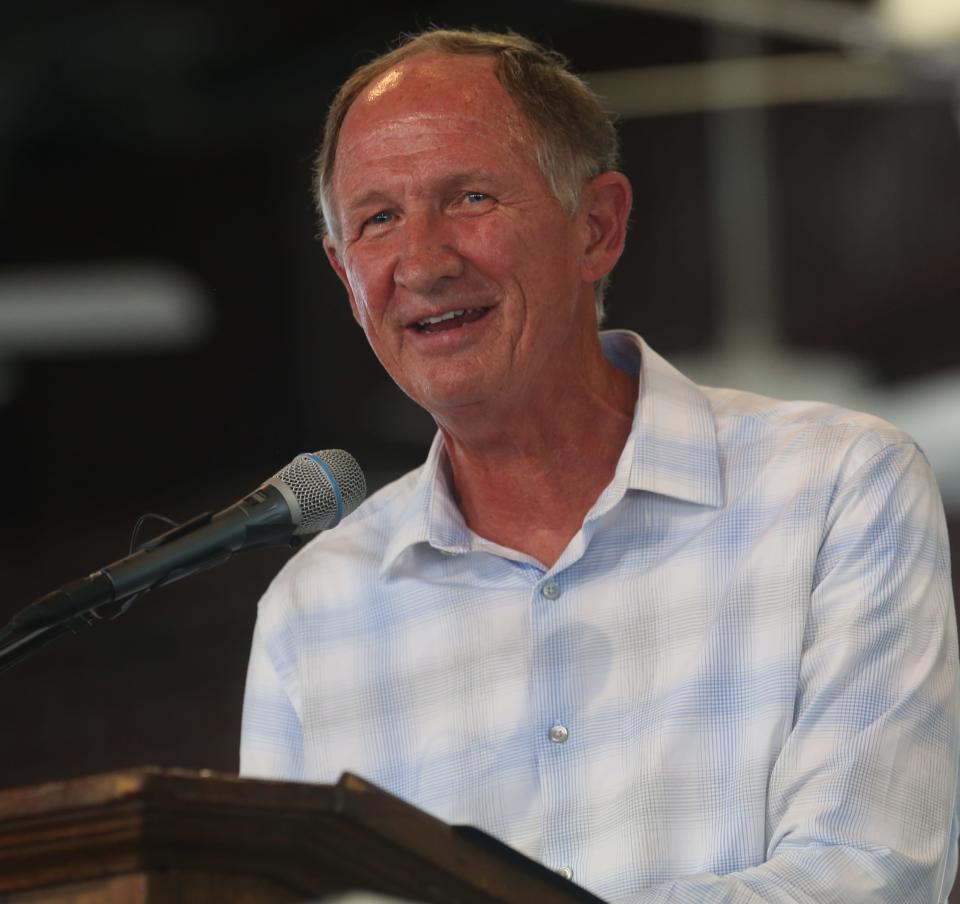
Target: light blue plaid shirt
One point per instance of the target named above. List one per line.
(739, 682)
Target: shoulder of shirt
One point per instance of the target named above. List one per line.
(744, 421)
(740, 415)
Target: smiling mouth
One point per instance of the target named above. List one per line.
(451, 320)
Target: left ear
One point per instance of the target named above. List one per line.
(606, 204)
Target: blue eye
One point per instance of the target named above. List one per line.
(380, 218)
(475, 197)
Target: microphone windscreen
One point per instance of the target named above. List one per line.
(327, 485)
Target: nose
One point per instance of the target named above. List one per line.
(428, 254)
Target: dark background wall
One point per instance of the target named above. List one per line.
(181, 134)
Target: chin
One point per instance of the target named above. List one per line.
(446, 398)
(449, 387)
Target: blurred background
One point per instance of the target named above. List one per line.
(170, 334)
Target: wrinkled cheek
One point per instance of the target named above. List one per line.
(360, 301)
(369, 308)
(364, 288)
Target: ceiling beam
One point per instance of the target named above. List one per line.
(748, 82)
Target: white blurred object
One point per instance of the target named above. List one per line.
(921, 24)
(928, 408)
(116, 307)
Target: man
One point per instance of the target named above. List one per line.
(681, 644)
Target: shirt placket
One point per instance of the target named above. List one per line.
(555, 727)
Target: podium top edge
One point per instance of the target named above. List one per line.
(145, 781)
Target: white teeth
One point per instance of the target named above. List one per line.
(440, 318)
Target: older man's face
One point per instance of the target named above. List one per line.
(460, 264)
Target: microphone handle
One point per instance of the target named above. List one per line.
(262, 518)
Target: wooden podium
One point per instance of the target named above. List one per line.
(164, 836)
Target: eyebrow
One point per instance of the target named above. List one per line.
(375, 196)
(474, 175)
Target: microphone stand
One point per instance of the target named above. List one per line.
(15, 646)
(97, 597)
(18, 643)
(196, 545)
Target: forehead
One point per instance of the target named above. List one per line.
(431, 102)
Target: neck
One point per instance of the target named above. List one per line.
(525, 477)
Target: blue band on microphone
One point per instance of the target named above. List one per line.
(333, 484)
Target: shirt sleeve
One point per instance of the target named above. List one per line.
(862, 801)
(271, 736)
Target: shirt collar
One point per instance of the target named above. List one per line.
(430, 513)
(671, 450)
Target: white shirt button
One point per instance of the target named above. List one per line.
(566, 872)
(550, 590)
(558, 734)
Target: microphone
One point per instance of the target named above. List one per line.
(309, 495)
